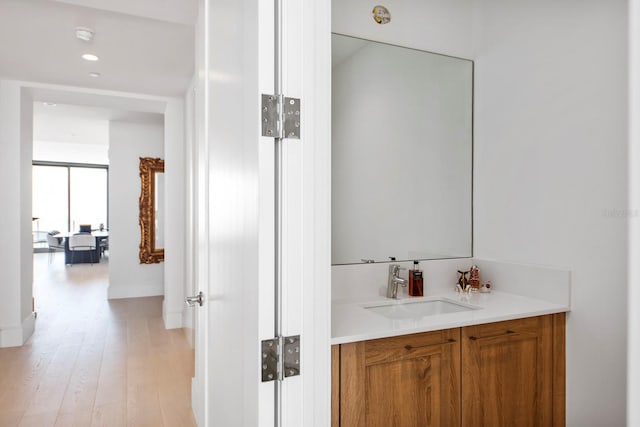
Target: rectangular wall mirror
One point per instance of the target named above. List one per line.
(151, 217)
(402, 153)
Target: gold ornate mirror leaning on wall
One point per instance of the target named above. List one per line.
(150, 170)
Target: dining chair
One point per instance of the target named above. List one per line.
(55, 244)
(104, 245)
(82, 242)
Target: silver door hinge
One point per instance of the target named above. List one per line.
(276, 125)
(280, 358)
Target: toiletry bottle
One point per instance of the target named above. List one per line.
(462, 279)
(474, 278)
(416, 281)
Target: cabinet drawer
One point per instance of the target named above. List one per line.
(510, 329)
(408, 346)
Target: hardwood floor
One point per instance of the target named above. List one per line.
(94, 362)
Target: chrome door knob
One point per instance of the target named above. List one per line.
(197, 299)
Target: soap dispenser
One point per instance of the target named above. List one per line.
(416, 288)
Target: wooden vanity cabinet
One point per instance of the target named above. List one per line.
(511, 371)
(409, 380)
(498, 374)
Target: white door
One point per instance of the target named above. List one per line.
(235, 213)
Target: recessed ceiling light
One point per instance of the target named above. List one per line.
(49, 104)
(94, 74)
(90, 57)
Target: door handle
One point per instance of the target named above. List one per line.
(196, 299)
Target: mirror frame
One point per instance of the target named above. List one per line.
(149, 167)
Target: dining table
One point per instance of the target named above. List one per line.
(83, 257)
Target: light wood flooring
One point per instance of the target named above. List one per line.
(94, 362)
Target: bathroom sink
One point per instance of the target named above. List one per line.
(416, 309)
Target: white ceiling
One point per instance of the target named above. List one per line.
(83, 118)
(176, 11)
(62, 124)
(145, 46)
(74, 124)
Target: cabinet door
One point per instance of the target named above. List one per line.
(405, 381)
(507, 373)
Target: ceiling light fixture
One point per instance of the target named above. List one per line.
(94, 74)
(85, 34)
(49, 104)
(90, 57)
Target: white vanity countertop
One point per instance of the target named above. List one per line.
(352, 322)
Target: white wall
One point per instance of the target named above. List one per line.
(550, 163)
(54, 151)
(434, 25)
(10, 273)
(26, 227)
(127, 143)
(16, 276)
(174, 203)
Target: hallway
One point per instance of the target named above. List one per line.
(94, 362)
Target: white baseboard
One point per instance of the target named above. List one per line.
(15, 336)
(28, 327)
(11, 336)
(172, 319)
(134, 290)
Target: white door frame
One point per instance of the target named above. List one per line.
(234, 223)
(307, 245)
(199, 178)
(633, 333)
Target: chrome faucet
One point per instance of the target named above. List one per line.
(394, 281)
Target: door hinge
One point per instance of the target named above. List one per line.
(277, 125)
(280, 358)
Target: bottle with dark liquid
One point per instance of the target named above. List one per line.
(416, 284)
